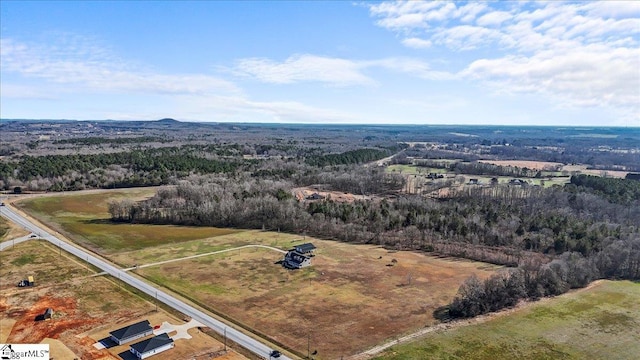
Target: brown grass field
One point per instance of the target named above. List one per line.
(84, 306)
(582, 169)
(9, 230)
(348, 301)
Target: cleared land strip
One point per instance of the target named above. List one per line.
(206, 254)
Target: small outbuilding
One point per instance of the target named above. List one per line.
(153, 346)
(131, 332)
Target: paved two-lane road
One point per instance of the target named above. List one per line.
(240, 338)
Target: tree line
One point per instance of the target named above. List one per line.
(501, 227)
(622, 191)
(618, 259)
(358, 156)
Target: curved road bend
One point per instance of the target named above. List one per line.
(233, 334)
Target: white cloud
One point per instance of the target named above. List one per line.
(493, 18)
(242, 109)
(583, 54)
(466, 37)
(334, 71)
(413, 67)
(95, 70)
(416, 43)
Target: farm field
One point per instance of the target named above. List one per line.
(85, 307)
(352, 297)
(84, 218)
(600, 322)
(582, 169)
(417, 177)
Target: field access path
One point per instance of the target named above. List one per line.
(205, 254)
(244, 340)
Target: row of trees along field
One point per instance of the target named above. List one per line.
(502, 227)
(478, 168)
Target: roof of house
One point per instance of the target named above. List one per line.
(131, 330)
(305, 248)
(151, 344)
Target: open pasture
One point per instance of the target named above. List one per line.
(601, 322)
(583, 169)
(84, 218)
(351, 298)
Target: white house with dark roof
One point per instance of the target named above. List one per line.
(131, 332)
(153, 346)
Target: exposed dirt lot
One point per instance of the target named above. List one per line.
(302, 194)
(350, 299)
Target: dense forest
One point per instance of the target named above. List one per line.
(553, 238)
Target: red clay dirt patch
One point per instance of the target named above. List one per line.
(64, 324)
(65, 317)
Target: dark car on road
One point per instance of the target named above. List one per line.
(275, 354)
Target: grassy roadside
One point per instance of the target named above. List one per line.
(602, 322)
(85, 219)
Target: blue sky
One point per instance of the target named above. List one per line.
(501, 63)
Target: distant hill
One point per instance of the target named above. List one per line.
(167, 121)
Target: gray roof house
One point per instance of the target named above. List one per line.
(131, 332)
(153, 346)
(305, 248)
(299, 257)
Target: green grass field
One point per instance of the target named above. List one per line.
(85, 219)
(602, 322)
